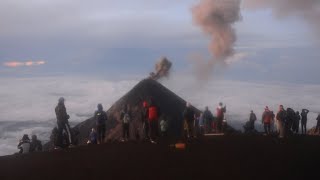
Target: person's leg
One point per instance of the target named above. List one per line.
(281, 129)
(269, 128)
(304, 128)
(103, 133)
(68, 131)
(60, 135)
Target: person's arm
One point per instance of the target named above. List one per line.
(64, 112)
(19, 145)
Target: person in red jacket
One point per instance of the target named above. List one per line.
(266, 120)
(153, 115)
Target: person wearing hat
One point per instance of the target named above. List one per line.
(62, 122)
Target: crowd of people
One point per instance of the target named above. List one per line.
(26, 145)
(284, 123)
(155, 124)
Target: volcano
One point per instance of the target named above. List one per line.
(170, 105)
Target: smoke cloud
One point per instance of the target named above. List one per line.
(216, 17)
(307, 10)
(162, 69)
(13, 64)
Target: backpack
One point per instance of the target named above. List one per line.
(153, 113)
(126, 118)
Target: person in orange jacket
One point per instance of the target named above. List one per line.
(266, 120)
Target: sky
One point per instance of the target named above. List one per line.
(95, 51)
(105, 38)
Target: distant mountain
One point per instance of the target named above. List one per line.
(170, 105)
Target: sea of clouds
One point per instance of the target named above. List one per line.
(27, 104)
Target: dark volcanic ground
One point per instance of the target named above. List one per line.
(224, 157)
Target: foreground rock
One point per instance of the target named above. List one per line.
(221, 157)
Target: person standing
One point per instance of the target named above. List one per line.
(220, 116)
(281, 118)
(297, 122)
(153, 115)
(100, 117)
(164, 126)
(145, 121)
(188, 116)
(304, 119)
(318, 124)
(208, 120)
(201, 124)
(63, 122)
(126, 118)
(266, 120)
(35, 145)
(252, 120)
(273, 122)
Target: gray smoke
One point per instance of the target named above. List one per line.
(216, 17)
(306, 10)
(162, 69)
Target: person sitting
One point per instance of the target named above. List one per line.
(36, 145)
(164, 127)
(93, 137)
(24, 145)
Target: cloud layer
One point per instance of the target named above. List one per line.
(13, 64)
(27, 104)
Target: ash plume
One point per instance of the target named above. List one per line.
(216, 17)
(307, 10)
(162, 69)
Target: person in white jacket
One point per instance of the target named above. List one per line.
(24, 145)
